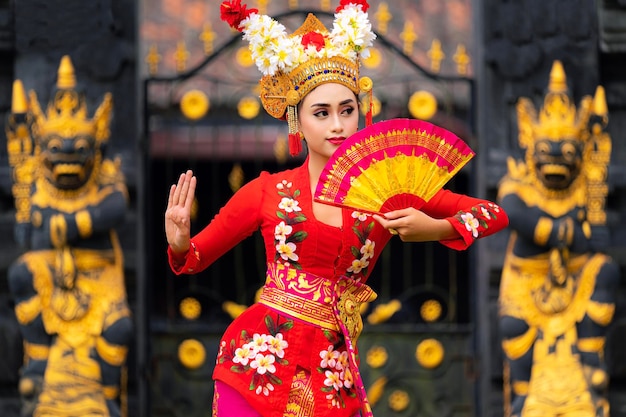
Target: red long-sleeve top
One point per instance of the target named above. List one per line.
(263, 353)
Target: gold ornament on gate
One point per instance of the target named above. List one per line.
(194, 104)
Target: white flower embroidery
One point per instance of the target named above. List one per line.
(362, 230)
(287, 251)
(221, 351)
(289, 205)
(244, 354)
(283, 184)
(329, 357)
(335, 367)
(263, 363)
(264, 389)
(259, 354)
(277, 345)
(281, 232)
(358, 265)
(342, 361)
(471, 223)
(259, 342)
(333, 379)
(290, 214)
(348, 381)
(367, 250)
(359, 215)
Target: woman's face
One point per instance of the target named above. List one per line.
(327, 116)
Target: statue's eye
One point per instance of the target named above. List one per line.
(569, 151)
(81, 145)
(54, 145)
(542, 148)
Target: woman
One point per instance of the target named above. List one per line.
(293, 353)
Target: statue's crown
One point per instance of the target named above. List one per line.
(558, 118)
(66, 114)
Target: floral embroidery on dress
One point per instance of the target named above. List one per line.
(475, 220)
(363, 254)
(259, 354)
(290, 214)
(337, 376)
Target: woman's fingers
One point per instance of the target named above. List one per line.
(380, 219)
(170, 196)
(396, 214)
(176, 189)
(183, 184)
(182, 193)
(397, 221)
(191, 191)
(387, 224)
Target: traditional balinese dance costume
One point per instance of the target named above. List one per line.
(293, 352)
(287, 354)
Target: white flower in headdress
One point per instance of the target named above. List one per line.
(352, 31)
(273, 50)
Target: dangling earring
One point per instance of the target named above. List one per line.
(365, 85)
(295, 136)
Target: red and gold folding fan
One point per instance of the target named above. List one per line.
(391, 165)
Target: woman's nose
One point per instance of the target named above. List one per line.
(337, 125)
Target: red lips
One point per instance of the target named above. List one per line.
(336, 141)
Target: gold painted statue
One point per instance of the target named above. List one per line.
(557, 292)
(68, 285)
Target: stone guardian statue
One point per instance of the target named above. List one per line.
(558, 287)
(68, 285)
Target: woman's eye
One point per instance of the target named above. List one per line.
(349, 110)
(321, 113)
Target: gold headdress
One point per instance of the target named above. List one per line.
(293, 65)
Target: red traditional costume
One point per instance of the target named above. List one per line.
(293, 353)
(287, 354)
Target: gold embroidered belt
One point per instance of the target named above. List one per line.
(326, 303)
(314, 299)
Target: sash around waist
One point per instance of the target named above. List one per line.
(314, 299)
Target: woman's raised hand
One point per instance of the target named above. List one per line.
(178, 213)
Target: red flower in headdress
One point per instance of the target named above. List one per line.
(315, 39)
(233, 12)
(344, 3)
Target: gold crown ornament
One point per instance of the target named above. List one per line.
(66, 114)
(558, 118)
(293, 65)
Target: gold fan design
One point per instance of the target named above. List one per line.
(391, 165)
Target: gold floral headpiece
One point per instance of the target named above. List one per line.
(293, 65)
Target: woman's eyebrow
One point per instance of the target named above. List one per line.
(347, 101)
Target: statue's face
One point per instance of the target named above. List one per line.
(68, 161)
(558, 163)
